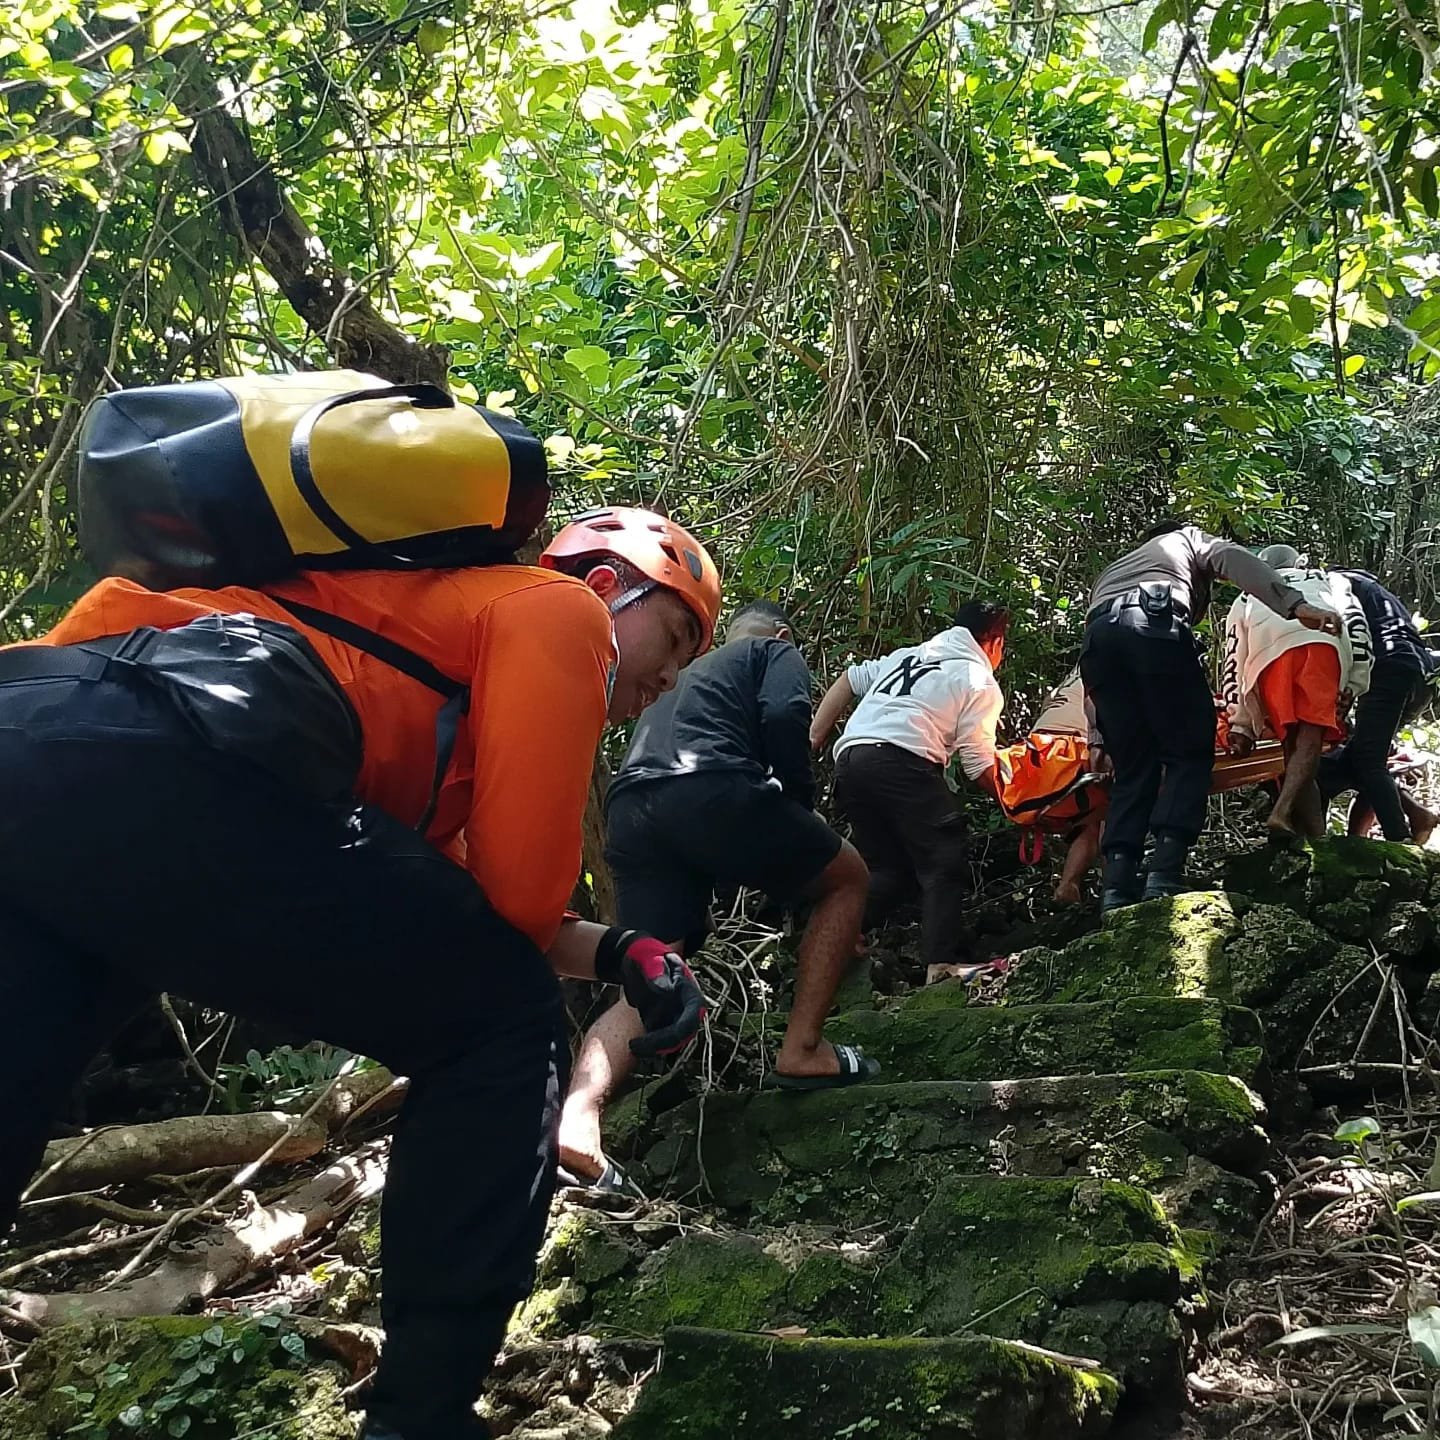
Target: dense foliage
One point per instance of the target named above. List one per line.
(892, 301)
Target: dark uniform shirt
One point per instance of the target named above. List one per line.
(1392, 627)
(1188, 560)
(744, 707)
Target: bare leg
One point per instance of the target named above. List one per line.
(1081, 855)
(605, 1062)
(1361, 817)
(826, 949)
(1298, 811)
(1423, 822)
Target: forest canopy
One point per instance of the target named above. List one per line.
(891, 301)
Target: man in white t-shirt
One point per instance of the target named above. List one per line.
(919, 707)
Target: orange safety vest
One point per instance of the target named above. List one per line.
(536, 650)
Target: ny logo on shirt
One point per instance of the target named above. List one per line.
(906, 675)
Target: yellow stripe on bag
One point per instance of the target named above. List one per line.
(391, 470)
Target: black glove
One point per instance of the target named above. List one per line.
(658, 983)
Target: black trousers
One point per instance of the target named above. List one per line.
(908, 826)
(133, 859)
(666, 866)
(1157, 717)
(1396, 692)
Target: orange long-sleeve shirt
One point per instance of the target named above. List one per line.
(536, 649)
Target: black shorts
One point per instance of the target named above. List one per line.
(670, 843)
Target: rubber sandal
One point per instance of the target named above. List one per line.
(612, 1180)
(856, 1067)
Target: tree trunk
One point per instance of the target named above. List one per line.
(254, 207)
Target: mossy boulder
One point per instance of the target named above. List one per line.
(1232, 949)
(1165, 947)
(874, 1153)
(1145, 1032)
(1010, 1255)
(716, 1386)
(1351, 887)
(198, 1376)
(1089, 1267)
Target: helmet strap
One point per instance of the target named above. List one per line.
(630, 596)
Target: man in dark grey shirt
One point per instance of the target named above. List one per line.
(1152, 701)
(716, 788)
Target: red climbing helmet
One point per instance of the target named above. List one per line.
(661, 550)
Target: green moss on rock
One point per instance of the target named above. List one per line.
(1147, 1032)
(1262, 957)
(1014, 1257)
(1008, 1255)
(1350, 887)
(239, 1379)
(875, 1152)
(550, 1311)
(1165, 948)
(727, 1283)
(715, 1386)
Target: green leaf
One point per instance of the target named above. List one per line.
(541, 264)
(432, 36)
(1423, 1197)
(1354, 364)
(1232, 327)
(1183, 280)
(178, 25)
(1302, 313)
(591, 361)
(1425, 316)
(132, 1417)
(1424, 1330)
(1354, 1132)
(1429, 192)
(215, 1335)
(1237, 417)
(179, 1425)
(293, 1344)
(1160, 17)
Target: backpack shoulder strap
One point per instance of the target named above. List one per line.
(456, 694)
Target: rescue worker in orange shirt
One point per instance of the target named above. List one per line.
(136, 857)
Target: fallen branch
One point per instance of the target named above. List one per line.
(174, 1147)
(365, 1092)
(193, 1275)
(76, 1252)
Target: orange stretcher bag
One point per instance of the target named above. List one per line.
(1046, 779)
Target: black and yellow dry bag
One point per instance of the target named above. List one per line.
(241, 481)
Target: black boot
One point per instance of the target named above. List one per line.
(1167, 866)
(1121, 884)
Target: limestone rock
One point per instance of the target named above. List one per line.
(717, 1386)
(1139, 1032)
(874, 1153)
